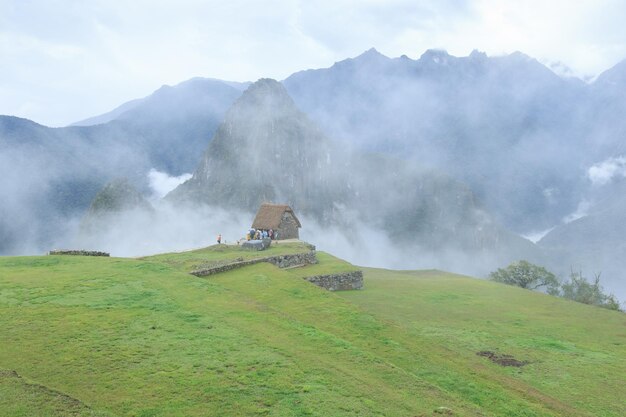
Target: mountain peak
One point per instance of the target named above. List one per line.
(265, 150)
(371, 52)
(438, 56)
(478, 55)
(267, 94)
(266, 85)
(518, 56)
(371, 56)
(614, 76)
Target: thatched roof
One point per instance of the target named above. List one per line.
(270, 215)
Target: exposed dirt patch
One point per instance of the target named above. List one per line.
(502, 359)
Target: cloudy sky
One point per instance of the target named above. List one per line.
(65, 60)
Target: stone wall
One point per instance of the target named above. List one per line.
(281, 261)
(289, 261)
(338, 282)
(78, 252)
(256, 244)
(352, 280)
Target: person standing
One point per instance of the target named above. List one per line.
(219, 238)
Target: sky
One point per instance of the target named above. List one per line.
(62, 61)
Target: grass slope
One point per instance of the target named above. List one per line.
(222, 254)
(142, 337)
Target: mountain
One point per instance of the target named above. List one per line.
(605, 111)
(198, 92)
(594, 243)
(613, 78)
(111, 115)
(118, 195)
(267, 150)
(48, 177)
(177, 121)
(507, 126)
(441, 149)
(118, 198)
(51, 175)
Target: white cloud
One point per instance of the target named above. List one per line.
(581, 211)
(166, 229)
(537, 235)
(114, 50)
(161, 183)
(604, 172)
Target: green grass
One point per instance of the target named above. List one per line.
(142, 337)
(577, 352)
(327, 264)
(220, 254)
(19, 398)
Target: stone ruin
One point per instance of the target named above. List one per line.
(256, 244)
(341, 281)
(78, 252)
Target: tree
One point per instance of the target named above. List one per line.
(583, 291)
(526, 275)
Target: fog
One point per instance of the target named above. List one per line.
(581, 211)
(540, 152)
(371, 247)
(171, 228)
(166, 229)
(604, 172)
(536, 235)
(161, 183)
(440, 162)
(503, 125)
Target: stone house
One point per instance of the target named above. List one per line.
(278, 217)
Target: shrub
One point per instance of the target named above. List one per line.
(526, 275)
(583, 291)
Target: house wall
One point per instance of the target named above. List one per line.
(288, 228)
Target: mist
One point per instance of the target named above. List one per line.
(441, 162)
(606, 171)
(162, 183)
(169, 228)
(371, 247)
(165, 229)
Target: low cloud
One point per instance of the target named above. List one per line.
(536, 235)
(165, 229)
(162, 183)
(367, 246)
(581, 211)
(606, 171)
(173, 229)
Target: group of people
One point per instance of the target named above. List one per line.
(255, 234)
(258, 234)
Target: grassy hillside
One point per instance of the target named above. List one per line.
(576, 353)
(141, 337)
(223, 254)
